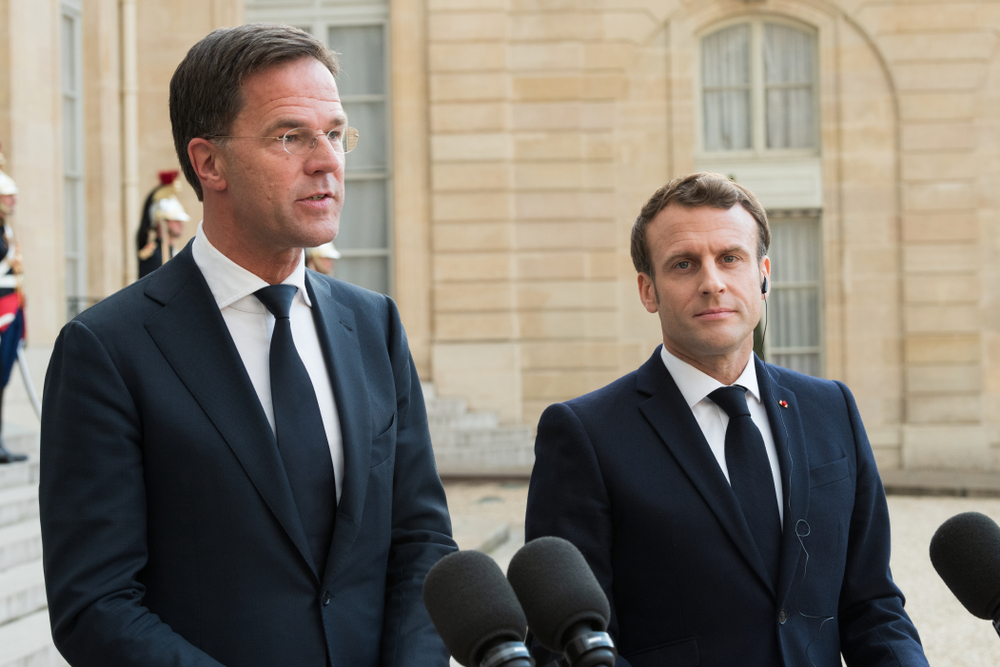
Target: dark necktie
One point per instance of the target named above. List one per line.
(298, 428)
(750, 474)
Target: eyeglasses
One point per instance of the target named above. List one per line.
(303, 140)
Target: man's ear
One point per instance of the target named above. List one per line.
(647, 293)
(209, 164)
(765, 272)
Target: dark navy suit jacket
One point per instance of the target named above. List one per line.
(169, 530)
(626, 475)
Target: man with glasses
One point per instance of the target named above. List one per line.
(236, 467)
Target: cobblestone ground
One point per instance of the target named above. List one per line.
(485, 512)
(952, 636)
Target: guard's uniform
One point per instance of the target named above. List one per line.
(11, 298)
(160, 206)
(11, 304)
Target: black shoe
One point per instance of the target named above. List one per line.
(7, 456)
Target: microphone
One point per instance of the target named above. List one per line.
(566, 608)
(965, 551)
(476, 612)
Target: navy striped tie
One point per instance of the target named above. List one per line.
(298, 428)
(750, 474)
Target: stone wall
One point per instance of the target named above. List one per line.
(551, 122)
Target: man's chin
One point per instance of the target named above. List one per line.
(318, 234)
(715, 343)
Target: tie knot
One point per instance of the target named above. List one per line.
(732, 399)
(277, 298)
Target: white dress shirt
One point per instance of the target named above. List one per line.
(250, 324)
(695, 386)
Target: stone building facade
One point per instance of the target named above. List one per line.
(511, 144)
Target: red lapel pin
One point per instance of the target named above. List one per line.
(783, 403)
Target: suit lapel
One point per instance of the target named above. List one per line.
(668, 413)
(789, 441)
(337, 331)
(193, 337)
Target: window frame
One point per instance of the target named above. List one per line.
(767, 346)
(74, 176)
(758, 110)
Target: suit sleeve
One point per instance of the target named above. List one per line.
(874, 628)
(567, 498)
(92, 501)
(421, 527)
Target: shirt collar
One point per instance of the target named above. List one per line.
(695, 385)
(230, 282)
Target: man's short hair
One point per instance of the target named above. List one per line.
(692, 191)
(206, 91)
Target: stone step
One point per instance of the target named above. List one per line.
(469, 421)
(511, 460)
(22, 591)
(27, 642)
(18, 503)
(518, 436)
(19, 474)
(19, 543)
(446, 407)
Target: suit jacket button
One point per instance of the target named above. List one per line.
(782, 617)
(327, 597)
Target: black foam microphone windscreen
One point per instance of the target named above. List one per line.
(472, 605)
(557, 590)
(965, 551)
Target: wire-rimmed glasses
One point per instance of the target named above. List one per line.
(303, 140)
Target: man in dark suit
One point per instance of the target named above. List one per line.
(731, 509)
(236, 465)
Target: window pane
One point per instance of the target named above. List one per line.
(361, 59)
(369, 119)
(789, 71)
(726, 94)
(364, 222)
(68, 52)
(788, 55)
(71, 140)
(727, 120)
(70, 214)
(803, 363)
(790, 118)
(794, 251)
(726, 58)
(794, 317)
(370, 272)
(72, 268)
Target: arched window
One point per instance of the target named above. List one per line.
(758, 88)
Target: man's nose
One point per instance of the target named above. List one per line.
(711, 279)
(325, 157)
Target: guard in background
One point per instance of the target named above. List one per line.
(322, 258)
(11, 298)
(163, 217)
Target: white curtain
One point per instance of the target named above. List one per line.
(726, 87)
(789, 72)
(794, 303)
